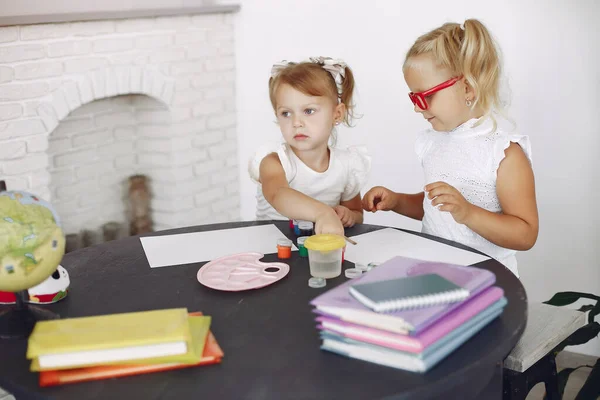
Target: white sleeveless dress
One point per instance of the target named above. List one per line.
(467, 158)
(344, 178)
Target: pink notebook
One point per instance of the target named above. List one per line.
(418, 343)
(338, 302)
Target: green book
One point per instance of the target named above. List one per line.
(408, 293)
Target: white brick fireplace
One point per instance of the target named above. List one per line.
(85, 105)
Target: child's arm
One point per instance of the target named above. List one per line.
(350, 212)
(293, 204)
(517, 227)
(380, 198)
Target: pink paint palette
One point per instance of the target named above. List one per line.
(241, 271)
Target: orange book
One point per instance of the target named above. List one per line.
(212, 354)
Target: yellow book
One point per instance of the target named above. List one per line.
(110, 339)
(199, 328)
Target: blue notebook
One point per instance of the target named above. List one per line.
(466, 328)
(409, 362)
(408, 293)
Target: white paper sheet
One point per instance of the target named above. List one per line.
(381, 245)
(186, 248)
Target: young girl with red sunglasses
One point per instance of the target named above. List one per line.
(479, 182)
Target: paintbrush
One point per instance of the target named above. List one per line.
(350, 240)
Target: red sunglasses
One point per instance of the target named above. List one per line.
(418, 99)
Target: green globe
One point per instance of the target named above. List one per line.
(32, 243)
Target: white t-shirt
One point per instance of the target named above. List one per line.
(347, 173)
(467, 158)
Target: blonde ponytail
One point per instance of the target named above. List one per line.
(481, 65)
(468, 51)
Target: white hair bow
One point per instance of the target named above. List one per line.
(278, 67)
(336, 67)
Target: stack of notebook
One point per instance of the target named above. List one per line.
(407, 313)
(109, 346)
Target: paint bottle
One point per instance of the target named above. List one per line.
(361, 267)
(352, 273)
(302, 251)
(284, 248)
(317, 282)
(296, 229)
(305, 228)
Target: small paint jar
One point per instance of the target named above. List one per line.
(284, 248)
(361, 267)
(302, 251)
(352, 273)
(296, 229)
(325, 255)
(317, 282)
(305, 228)
(291, 224)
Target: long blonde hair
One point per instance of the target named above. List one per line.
(469, 51)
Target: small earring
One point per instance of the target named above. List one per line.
(469, 103)
(337, 122)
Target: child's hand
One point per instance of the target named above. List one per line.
(328, 222)
(347, 217)
(379, 199)
(448, 198)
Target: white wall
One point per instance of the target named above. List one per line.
(551, 56)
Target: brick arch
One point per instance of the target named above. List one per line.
(189, 150)
(81, 89)
(99, 84)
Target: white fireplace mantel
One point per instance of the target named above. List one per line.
(28, 12)
(90, 97)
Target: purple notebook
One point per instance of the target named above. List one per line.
(338, 302)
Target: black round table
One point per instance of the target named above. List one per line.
(268, 335)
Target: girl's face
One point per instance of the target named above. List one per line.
(447, 107)
(306, 121)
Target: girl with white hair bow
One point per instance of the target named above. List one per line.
(307, 177)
